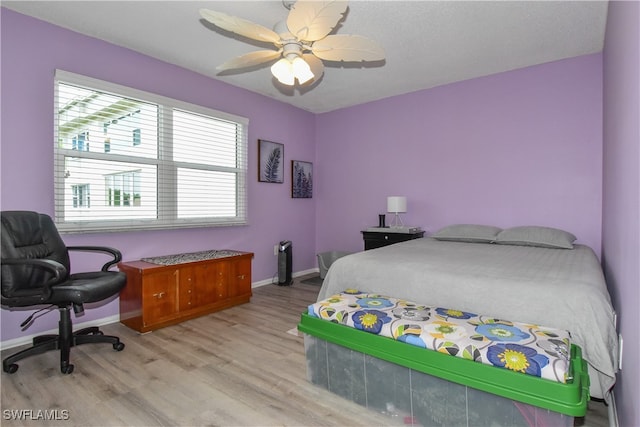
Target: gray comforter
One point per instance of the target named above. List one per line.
(559, 288)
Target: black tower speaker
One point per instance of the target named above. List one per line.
(284, 263)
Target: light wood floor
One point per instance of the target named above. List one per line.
(236, 367)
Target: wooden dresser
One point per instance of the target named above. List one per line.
(182, 287)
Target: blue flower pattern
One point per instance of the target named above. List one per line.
(519, 347)
(500, 332)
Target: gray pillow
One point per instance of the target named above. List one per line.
(544, 237)
(471, 233)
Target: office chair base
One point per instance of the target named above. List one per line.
(63, 342)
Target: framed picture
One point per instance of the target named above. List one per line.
(270, 161)
(301, 179)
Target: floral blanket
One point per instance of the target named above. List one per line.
(530, 349)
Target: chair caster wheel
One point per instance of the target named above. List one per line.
(66, 369)
(11, 369)
(118, 346)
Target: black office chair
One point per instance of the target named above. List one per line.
(35, 271)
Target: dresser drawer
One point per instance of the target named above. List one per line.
(377, 239)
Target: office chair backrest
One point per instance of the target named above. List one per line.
(29, 235)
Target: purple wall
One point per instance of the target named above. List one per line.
(518, 148)
(621, 199)
(32, 50)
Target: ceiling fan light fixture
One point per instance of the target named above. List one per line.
(287, 71)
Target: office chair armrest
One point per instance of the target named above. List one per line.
(117, 255)
(58, 270)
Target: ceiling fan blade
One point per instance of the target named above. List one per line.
(249, 59)
(313, 20)
(240, 26)
(347, 48)
(316, 65)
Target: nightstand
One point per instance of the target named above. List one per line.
(378, 239)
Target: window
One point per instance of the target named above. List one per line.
(123, 189)
(80, 142)
(80, 195)
(136, 137)
(158, 162)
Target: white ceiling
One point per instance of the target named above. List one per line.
(427, 43)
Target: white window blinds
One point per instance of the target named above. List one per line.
(126, 159)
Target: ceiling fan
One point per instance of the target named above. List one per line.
(301, 41)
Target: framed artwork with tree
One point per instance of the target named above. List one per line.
(270, 161)
(301, 179)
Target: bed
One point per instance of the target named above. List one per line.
(520, 277)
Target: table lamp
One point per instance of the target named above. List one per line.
(397, 205)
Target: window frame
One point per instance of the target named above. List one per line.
(167, 215)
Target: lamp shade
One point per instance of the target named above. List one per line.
(396, 204)
(301, 70)
(283, 71)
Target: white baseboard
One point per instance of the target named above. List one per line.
(273, 280)
(305, 272)
(28, 339)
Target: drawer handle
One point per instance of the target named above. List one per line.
(241, 277)
(159, 295)
(386, 237)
